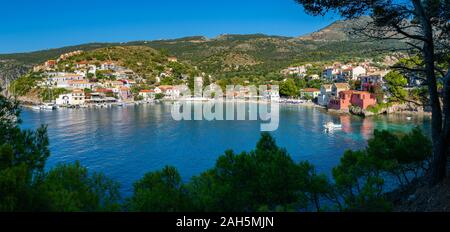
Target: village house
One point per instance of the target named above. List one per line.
(69, 54)
(99, 98)
(348, 98)
(309, 93)
(80, 84)
(92, 69)
(147, 94)
(106, 91)
(367, 82)
(125, 93)
(358, 71)
(172, 59)
(314, 77)
(77, 97)
(168, 90)
(113, 84)
(124, 74)
(50, 64)
(128, 83)
(62, 80)
(297, 70)
(81, 64)
(338, 87)
(325, 94)
(331, 73)
(157, 90)
(108, 66)
(352, 73)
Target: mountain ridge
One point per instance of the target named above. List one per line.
(236, 54)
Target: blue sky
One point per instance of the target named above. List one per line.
(29, 25)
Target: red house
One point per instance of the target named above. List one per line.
(363, 99)
(349, 98)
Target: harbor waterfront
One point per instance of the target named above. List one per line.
(127, 142)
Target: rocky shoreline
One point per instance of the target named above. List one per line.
(405, 108)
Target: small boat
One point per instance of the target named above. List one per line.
(36, 107)
(48, 106)
(332, 126)
(409, 118)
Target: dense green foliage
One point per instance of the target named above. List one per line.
(288, 88)
(71, 188)
(143, 60)
(160, 191)
(25, 186)
(48, 95)
(24, 84)
(396, 83)
(267, 179)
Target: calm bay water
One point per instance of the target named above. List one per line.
(127, 142)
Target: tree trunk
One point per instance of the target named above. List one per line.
(439, 164)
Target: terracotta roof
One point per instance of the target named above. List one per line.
(103, 90)
(108, 62)
(79, 82)
(347, 92)
(165, 87)
(342, 85)
(147, 91)
(117, 82)
(361, 92)
(310, 90)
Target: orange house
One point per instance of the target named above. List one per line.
(349, 98)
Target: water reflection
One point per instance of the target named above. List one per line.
(127, 142)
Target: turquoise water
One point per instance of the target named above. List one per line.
(127, 142)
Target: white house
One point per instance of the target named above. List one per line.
(81, 64)
(82, 84)
(309, 93)
(157, 90)
(92, 69)
(147, 94)
(297, 70)
(77, 97)
(62, 80)
(108, 66)
(169, 91)
(358, 71)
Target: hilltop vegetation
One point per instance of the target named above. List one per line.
(41, 56)
(261, 53)
(144, 61)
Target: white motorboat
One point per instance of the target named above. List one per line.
(48, 106)
(332, 126)
(36, 107)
